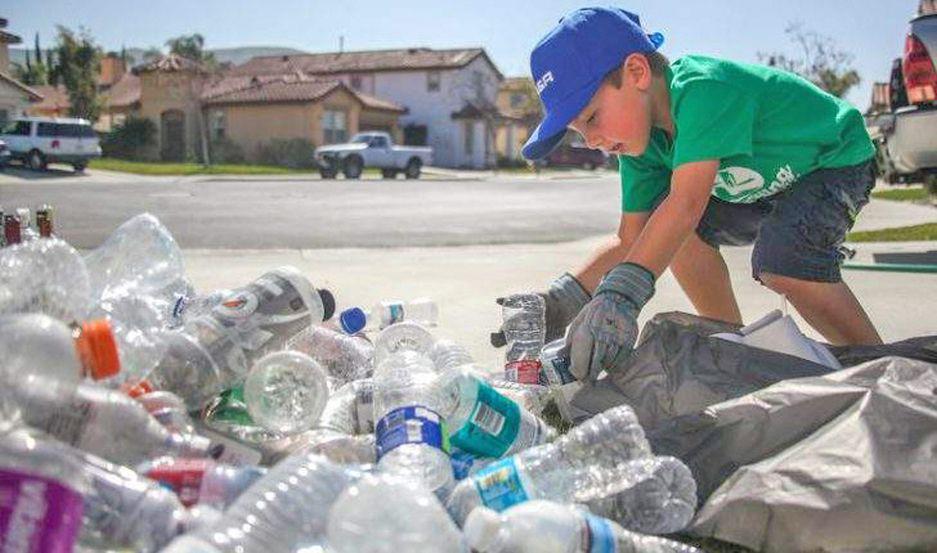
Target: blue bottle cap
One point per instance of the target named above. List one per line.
(353, 320)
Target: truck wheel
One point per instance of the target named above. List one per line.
(327, 174)
(79, 167)
(930, 184)
(588, 166)
(413, 168)
(36, 161)
(352, 167)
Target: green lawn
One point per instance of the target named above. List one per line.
(163, 168)
(909, 194)
(927, 231)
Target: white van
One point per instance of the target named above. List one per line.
(38, 141)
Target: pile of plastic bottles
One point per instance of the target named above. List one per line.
(138, 414)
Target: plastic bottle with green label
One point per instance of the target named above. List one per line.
(483, 421)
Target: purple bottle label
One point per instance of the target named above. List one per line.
(37, 515)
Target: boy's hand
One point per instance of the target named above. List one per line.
(605, 331)
(563, 301)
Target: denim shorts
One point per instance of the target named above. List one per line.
(799, 232)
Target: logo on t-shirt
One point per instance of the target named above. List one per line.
(736, 183)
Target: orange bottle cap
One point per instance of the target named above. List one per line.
(98, 349)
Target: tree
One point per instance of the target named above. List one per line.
(79, 63)
(53, 76)
(151, 53)
(192, 47)
(820, 60)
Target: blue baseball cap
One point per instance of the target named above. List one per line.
(569, 63)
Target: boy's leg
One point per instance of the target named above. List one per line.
(797, 252)
(702, 273)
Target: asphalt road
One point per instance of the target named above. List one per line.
(311, 213)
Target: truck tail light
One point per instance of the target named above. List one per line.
(55, 143)
(920, 78)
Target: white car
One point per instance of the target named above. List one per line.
(38, 141)
(372, 149)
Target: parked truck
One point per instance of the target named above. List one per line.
(372, 149)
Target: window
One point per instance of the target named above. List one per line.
(17, 128)
(469, 137)
(334, 127)
(217, 124)
(517, 100)
(432, 81)
(356, 82)
(4, 117)
(47, 129)
(378, 142)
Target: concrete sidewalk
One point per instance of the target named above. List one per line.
(466, 280)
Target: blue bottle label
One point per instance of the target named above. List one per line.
(462, 463)
(413, 424)
(601, 537)
(396, 313)
(499, 485)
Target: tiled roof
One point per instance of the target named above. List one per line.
(170, 64)
(34, 96)
(268, 89)
(475, 110)
(125, 92)
(9, 38)
(377, 103)
(369, 60)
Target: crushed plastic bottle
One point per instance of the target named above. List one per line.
(412, 440)
(524, 327)
(350, 410)
(547, 527)
(484, 422)
(169, 410)
(423, 311)
(405, 336)
(201, 481)
(26, 225)
(384, 514)
(345, 358)
(44, 276)
(286, 392)
(447, 355)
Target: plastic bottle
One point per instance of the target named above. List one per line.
(104, 422)
(412, 440)
(201, 481)
(547, 527)
(423, 311)
(555, 374)
(45, 216)
(524, 328)
(116, 507)
(384, 514)
(589, 462)
(214, 352)
(484, 422)
(26, 226)
(345, 358)
(285, 510)
(169, 410)
(286, 391)
(350, 410)
(531, 397)
(405, 336)
(341, 448)
(447, 354)
(44, 276)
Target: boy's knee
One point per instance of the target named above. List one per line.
(778, 283)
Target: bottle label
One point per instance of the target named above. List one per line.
(462, 463)
(414, 424)
(183, 476)
(555, 371)
(499, 485)
(364, 411)
(37, 515)
(524, 371)
(599, 537)
(492, 427)
(395, 310)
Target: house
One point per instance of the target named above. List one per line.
(449, 94)
(518, 99)
(15, 97)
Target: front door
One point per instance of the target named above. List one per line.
(172, 135)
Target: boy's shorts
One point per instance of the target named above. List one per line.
(799, 232)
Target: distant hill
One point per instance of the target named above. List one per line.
(234, 56)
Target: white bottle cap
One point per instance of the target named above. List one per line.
(481, 529)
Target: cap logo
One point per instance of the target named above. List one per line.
(542, 83)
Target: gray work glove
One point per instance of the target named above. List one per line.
(604, 333)
(563, 300)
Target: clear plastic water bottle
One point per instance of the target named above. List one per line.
(447, 354)
(555, 374)
(350, 410)
(345, 358)
(423, 311)
(548, 527)
(341, 448)
(384, 514)
(405, 336)
(201, 481)
(524, 327)
(202, 304)
(531, 397)
(286, 391)
(285, 510)
(484, 422)
(44, 276)
(26, 225)
(169, 410)
(412, 441)
(104, 422)
(589, 462)
(214, 352)
(114, 506)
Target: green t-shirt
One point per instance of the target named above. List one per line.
(766, 126)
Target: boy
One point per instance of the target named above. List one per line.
(712, 153)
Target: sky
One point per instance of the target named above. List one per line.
(872, 30)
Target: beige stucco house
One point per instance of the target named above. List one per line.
(518, 101)
(15, 97)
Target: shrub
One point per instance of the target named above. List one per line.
(505, 162)
(131, 139)
(224, 150)
(295, 153)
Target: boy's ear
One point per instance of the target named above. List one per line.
(637, 71)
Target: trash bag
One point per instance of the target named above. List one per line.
(846, 461)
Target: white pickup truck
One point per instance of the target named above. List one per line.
(372, 149)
